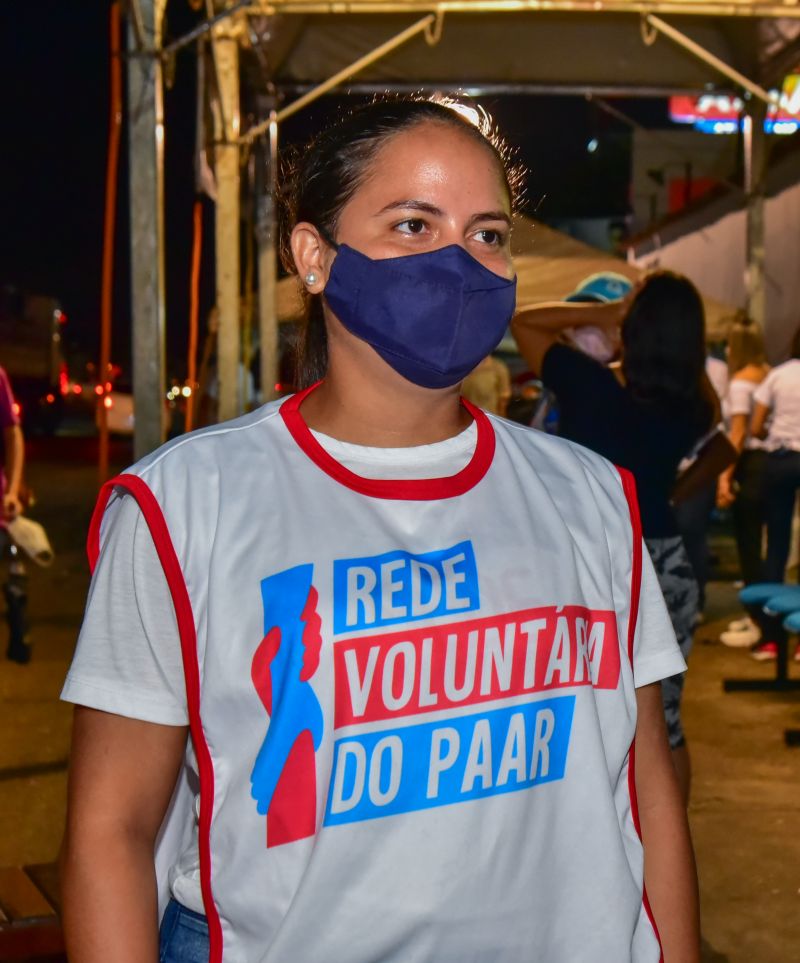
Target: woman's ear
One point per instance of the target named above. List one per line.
(312, 256)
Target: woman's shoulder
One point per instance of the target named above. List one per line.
(751, 374)
(556, 459)
(207, 448)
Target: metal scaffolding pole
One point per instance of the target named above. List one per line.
(698, 51)
(683, 8)
(430, 26)
(755, 171)
(146, 152)
(267, 237)
(226, 121)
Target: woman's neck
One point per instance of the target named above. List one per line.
(356, 408)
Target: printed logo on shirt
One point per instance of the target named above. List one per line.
(369, 593)
(388, 758)
(284, 777)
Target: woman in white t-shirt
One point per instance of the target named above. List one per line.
(741, 487)
(776, 419)
(413, 643)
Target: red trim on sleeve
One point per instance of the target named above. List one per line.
(629, 487)
(419, 489)
(156, 522)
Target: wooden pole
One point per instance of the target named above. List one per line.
(755, 168)
(226, 117)
(109, 224)
(267, 236)
(146, 151)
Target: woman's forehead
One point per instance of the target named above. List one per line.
(435, 161)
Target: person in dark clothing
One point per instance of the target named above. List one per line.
(646, 417)
(12, 456)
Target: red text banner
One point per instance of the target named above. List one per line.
(478, 660)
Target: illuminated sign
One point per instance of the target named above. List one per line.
(722, 114)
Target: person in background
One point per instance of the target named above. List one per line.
(646, 418)
(693, 514)
(719, 373)
(15, 589)
(604, 287)
(776, 418)
(489, 386)
(337, 804)
(741, 486)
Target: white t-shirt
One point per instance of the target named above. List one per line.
(128, 662)
(740, 402)
(128, 658)
(717, 372)
(780, 391)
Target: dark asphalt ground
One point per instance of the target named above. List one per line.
(745, 808)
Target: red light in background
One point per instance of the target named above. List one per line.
(60, 317)
(109, 386)
(16, 408)
(98, 389)
(63, 378)
(278, 386)
(50, 398)
(77, 389)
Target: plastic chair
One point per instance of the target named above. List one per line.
(774, 600)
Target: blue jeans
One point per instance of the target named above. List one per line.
(184, 936)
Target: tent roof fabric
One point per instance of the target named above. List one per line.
(502, 42)
(550, 265)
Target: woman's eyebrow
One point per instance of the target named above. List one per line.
(413, 206)
(490, 216)
(425, 207)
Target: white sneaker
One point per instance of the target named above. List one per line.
(742, 639)
(738, 625)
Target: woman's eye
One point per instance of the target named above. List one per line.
(493, 238)
(414, 225)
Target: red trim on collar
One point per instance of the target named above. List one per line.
(418, 489)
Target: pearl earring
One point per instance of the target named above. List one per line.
(311, 278)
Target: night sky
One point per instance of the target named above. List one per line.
(54, 72)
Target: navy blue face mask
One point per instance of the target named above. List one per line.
(433, 317)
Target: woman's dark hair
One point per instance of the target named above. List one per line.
(322, 178)
(794, 349)
(663, 339)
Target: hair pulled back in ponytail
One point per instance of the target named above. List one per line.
(320, 179)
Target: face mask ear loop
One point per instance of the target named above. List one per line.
(327, 238)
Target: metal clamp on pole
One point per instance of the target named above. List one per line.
(694, 48)
(431, 26)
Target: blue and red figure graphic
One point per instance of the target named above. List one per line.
(284, 781)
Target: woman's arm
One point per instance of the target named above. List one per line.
(14, 442)
(736, 436)
(670, 875)
(537, 327)
(758, 426)
(122, 774)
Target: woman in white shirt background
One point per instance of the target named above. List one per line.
(777, 398)
(741, 486)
